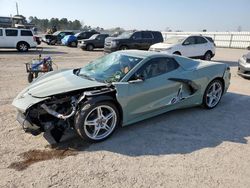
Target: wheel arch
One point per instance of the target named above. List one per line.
(222, 81)
(22, 42)
(177, 52)
(121, 45)
(92, 44)
(101, 98)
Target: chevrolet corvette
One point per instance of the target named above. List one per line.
(118, 89)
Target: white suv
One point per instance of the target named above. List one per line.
(21, 39)
(192, 46)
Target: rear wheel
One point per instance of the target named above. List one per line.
(30, 77)
(22, 47)
(97, 122)
(213, 94)
(73, 44)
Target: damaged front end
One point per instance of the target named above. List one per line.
(55, 114)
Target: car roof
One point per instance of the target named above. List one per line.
(16, 28)
(142, 54)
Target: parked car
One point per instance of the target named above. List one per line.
(69, 40)
(21, 39)
(95, 41)
(192, 46)
(85, 34)
(56, 37)
(244, 66)
(72, 40)
(120, 88)
(140, 40)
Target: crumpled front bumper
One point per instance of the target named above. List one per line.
(27, 125)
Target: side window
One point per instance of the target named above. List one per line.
(101, 37)
(26, 33)
(137, 35)
(157, 66)
(200, 40)
(189, 41)
(1, 32)
(11, 32)
(147, 35)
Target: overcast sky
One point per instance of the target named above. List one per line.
(187, 15)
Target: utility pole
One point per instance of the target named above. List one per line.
(17, 9)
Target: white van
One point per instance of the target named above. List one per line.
(21, 39)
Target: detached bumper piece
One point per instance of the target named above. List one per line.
(27, 125)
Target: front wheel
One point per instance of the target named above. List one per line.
(73, 44)
(90, 47)
(213, 94)
(97, 122)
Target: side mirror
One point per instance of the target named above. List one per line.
(248, 47)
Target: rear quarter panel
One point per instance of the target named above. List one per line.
(208, 73)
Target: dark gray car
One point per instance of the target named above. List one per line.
(95, 41)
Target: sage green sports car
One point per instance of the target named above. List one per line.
(121, 88)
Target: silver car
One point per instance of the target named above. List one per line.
(244, 66)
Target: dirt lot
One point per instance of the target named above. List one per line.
(185, 148)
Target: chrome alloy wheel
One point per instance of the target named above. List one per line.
(23, 47)
(100, 122)
(214, 94)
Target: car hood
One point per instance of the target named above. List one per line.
(162, 45)
(59, 82)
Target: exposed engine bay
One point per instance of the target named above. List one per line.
(57, 113)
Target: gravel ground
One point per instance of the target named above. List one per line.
(184, 148)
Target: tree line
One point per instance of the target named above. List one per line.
(44, 25)
(61, 24)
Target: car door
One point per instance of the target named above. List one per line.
(147, 40)
(100, 41)
(155, 92)
(136, 41)
(11, 36)
(188, 47)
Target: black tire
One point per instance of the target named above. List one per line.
(90, 47)
(123, 47)
(205, 102)
(22, 46)
(73, 44)
(53, 42)
(87, 110)
(177, 53)
(207, 56)
(30, 77)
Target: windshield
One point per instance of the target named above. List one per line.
(125, 35)
(174, 40)
(109, 68)
(93, 36)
